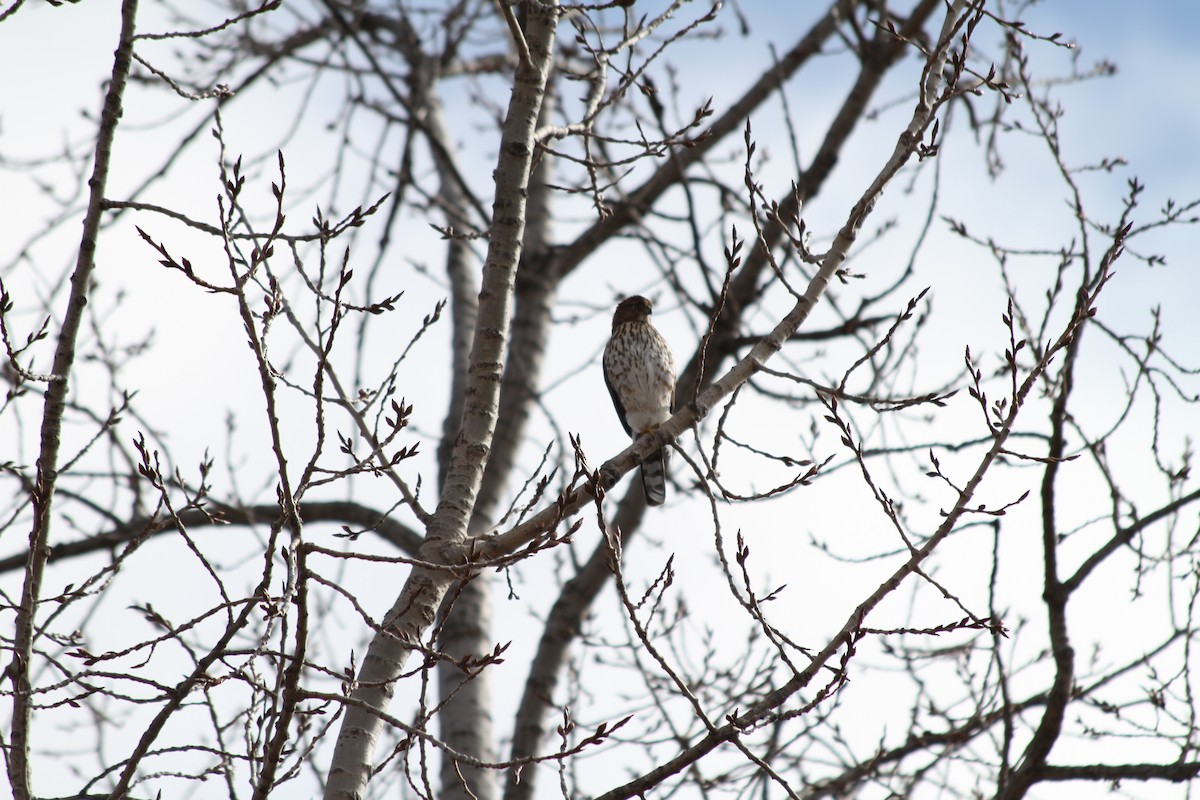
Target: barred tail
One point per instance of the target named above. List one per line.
(654, 478)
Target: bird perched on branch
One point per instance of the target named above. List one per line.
(639, 370)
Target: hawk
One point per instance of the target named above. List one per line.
(639, 370)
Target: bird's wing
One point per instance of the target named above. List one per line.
(616, 400)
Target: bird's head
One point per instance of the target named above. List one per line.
(632, 309)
